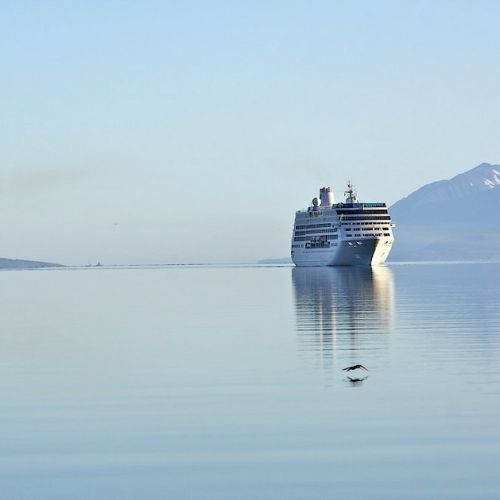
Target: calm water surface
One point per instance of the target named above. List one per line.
(227, 383)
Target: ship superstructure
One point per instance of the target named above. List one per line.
(341, 234)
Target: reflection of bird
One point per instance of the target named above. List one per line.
(354, 367)
(357, 380)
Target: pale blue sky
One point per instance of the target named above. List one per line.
(149, 132)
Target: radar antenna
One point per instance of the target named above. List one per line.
(350, 194)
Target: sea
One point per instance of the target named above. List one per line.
(227, 382)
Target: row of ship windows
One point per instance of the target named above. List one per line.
(304, 238)
(334, 237)
(368, 228)
(303, 235)
(356, 235)
(314, 231)
(360, 205)
(312, 226)
(361, 212)
(369, 217)
(370, 220)
(363, 223)
(325, 244)
(318, 245)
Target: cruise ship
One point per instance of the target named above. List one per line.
(342, 234)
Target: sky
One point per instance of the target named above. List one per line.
(156, 132)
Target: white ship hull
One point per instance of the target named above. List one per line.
(362, 252)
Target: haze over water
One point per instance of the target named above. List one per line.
(207, 382)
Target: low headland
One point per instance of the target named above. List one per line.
(25, 264)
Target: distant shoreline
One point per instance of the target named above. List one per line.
(26, 264)
(261, 264)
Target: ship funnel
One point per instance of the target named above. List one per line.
(326, 197)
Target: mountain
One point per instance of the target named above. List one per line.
(25, 264)
(455, 219)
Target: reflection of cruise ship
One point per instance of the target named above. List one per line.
(341, 234)
(332, 302)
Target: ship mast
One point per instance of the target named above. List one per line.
(350, 194)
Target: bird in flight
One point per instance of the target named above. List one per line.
(354, 367)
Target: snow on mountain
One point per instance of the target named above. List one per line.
(455, 219)
(496, 179)
(476, 180)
